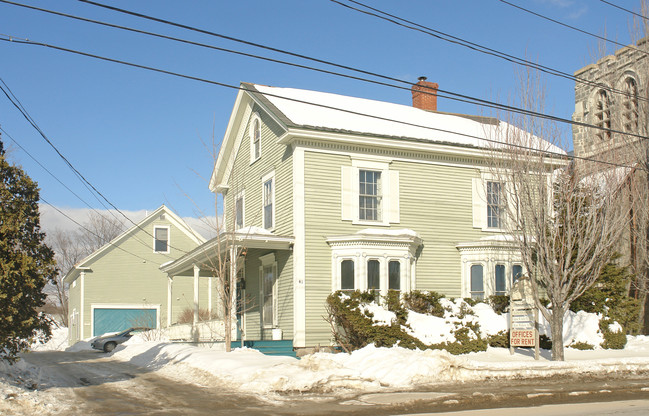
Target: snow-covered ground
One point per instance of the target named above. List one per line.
(366, 370)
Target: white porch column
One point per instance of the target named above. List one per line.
(170, 281)
(197, 271)
(209, 296)
(233, 286)
(82, 305)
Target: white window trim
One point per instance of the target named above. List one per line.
(251, 136)
(168, 238)
(479, 203)
(336, 283)
(488, 256)
(241, 195)
(389, 192)
(268, 177)
(362, 250)
(269, 260)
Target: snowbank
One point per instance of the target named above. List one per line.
(372, 368)
(58, 342)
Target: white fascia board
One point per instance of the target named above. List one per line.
(183, 226)
(226, 152)
(373, 141)
(403, 144)
(177, 221)
(365, 238)
(227, 142)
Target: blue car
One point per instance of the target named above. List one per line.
(107, 343)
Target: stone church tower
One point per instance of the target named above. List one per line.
(613, 95)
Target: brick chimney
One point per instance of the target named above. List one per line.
(424, 95)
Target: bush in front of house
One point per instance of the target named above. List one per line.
(355, 326)
(609, 298)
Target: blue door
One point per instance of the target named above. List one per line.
(115, 319)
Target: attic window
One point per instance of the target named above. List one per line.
(255, 138)
(161, 239)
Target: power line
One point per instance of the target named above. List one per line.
(479, 48)
(626, 10)
(45, 169)
(221, 84)
(66, 187)
(92, 232)
(605, 39)
(440, 92)
(87, 183)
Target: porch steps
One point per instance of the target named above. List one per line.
(283, 347)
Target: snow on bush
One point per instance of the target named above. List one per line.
(579, 327)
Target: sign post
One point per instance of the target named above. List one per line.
(523, 317)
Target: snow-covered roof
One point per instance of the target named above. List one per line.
(358, 115)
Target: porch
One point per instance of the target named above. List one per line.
(258, 266)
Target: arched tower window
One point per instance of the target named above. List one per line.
(602, 115)
(630, 106)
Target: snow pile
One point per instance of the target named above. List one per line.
(58, 341)
(370, 368)
(577, 327)
(19, 385)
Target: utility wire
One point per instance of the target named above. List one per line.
(87, 183)
(221, 84)
(71, 191)
(47, 170)
(92, 232)
(440, 92)
(16, 103)
(380, 14)
(408, 24)
(626, 10)
(605, 39)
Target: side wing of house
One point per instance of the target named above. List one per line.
(120, 285)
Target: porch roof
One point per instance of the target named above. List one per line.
(246, 238)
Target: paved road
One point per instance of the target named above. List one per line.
(91, 383)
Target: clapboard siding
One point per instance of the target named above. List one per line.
(435, 201)
(247, 178)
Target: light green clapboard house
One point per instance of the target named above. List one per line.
(121, 285)
(329, 192)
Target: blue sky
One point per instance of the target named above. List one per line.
(144, 138)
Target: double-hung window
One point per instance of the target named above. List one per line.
(495, 206)
(161, 239)
(369, 195)
(268, 198)
(370, 192)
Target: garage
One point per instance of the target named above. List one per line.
(118, 319)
